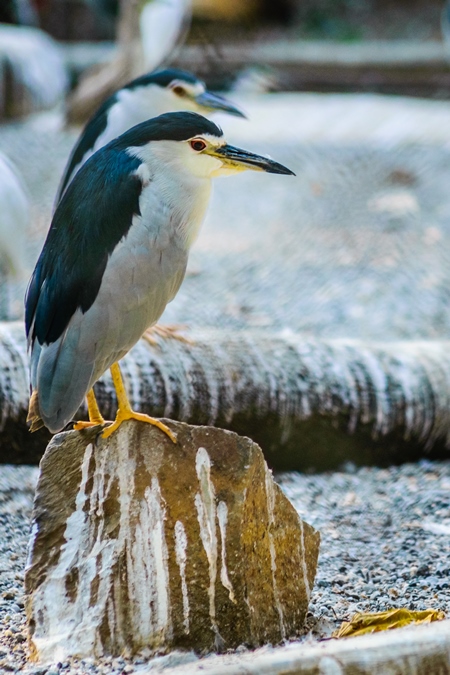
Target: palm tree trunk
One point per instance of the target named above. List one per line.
(309, 404)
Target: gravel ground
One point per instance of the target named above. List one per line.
(385, 544)
(385, 537)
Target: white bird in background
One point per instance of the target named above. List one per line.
(14, 219)
(163, 25)
(36, 62)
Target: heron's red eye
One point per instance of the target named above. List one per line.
(179, 91)
(198, 145)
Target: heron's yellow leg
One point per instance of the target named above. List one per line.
(95, 416)
(124, 410)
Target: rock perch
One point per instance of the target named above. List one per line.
(137, 542)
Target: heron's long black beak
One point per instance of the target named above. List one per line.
(212, 101)
(242, 159)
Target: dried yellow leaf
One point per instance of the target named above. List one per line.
(362, 624)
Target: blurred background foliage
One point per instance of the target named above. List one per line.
(342, 20)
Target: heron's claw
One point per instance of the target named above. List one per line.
(124, 411)
(123, 415)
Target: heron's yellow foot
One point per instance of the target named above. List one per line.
(95, 416)
(165, 332)
(123, 415)
(125, 412)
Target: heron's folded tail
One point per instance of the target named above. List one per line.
(33, 418)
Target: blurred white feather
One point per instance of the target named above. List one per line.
(36, 63)
(163, 25)
(14, 219)
(254, 80)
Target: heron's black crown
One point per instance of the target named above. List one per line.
(162, 78)
(174, 126)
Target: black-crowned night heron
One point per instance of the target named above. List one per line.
(116, 254)
(145, 97)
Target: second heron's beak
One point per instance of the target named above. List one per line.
(214, 102)
(236, 159)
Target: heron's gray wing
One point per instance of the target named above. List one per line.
(95, 213)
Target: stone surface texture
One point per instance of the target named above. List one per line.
(138, 542)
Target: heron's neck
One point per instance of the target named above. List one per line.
(187, 197)
(183, 194)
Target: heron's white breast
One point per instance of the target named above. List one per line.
(145, 270)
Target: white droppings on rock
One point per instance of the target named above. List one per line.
(148, 568)
(33, 534)
(302, 554)
(205, 502)
(90, 557)
(68, 618)
(157, 515)
(270, 496)
(222, 517)
(181, 557)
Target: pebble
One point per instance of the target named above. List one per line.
(423, 570)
